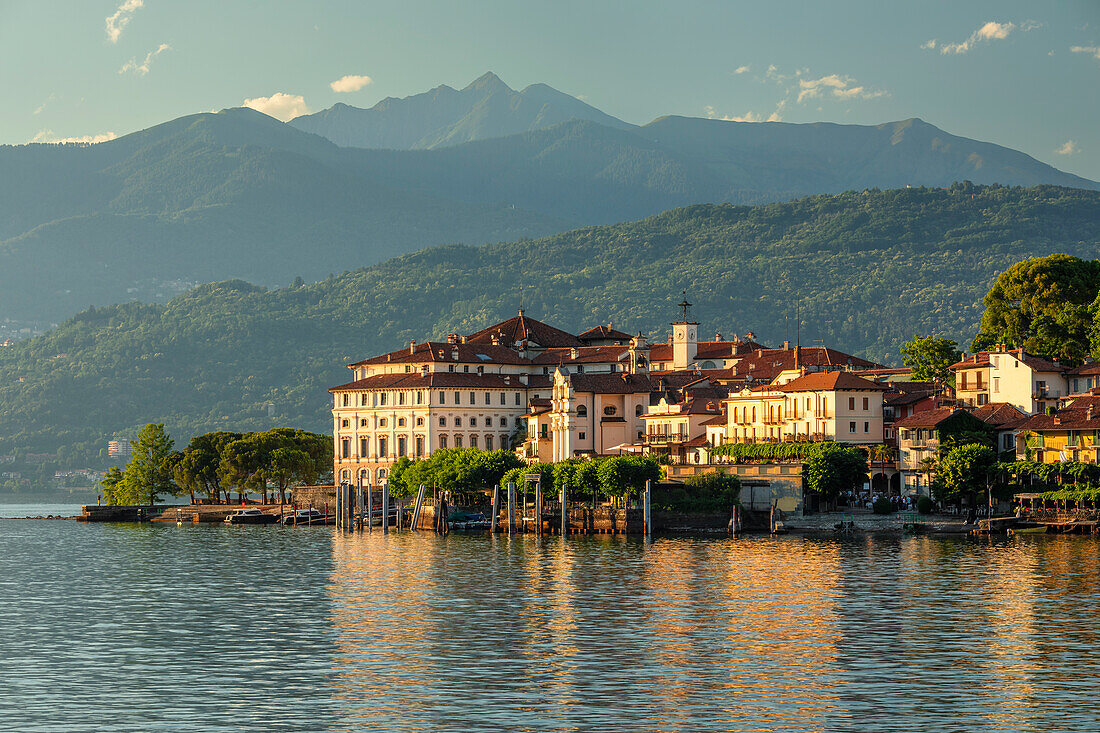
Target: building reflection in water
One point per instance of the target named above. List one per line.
(481, 633)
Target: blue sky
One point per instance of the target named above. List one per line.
(1021, 74)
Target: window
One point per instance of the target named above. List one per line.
(401, 445)
(364, 449)
(443, 441)
(382, 448)
(866, 403)
(382, 423)
(544, 431)
(488, 397)
(442, 422)
(473, 398)
(458, 422)
(364, 399)
(450, 367)
(363, 423)
(458, 441)
(401, 398)
(504, 422)
(419, 422)
(637, 410)
(345, 400)
(419, 446)
(382, 398)
(609, 410)
(343, 423)
(458, 398)
(502, 400)
(345, 448)
(488, 422)
(488, 442)
(466, 368)
(581, 435)
(442, 398)
(518, 403)
(866, 427)
(996, 384)
(400, 422)
(419, 397)
(473, 441)
(851, 403)
(582, 411)
(851, 427)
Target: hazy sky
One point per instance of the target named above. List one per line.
(1021, 74)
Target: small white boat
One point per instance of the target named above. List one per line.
(250, 516)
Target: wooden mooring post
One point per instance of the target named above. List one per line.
(418, 506)
(564, 509)
(358, 522)
(386, 507)
(339, 491)
(370, 509)
(496, 510)
(511, 507)
(647, 513)
(538, 507)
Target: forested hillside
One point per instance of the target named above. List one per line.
(867, 269)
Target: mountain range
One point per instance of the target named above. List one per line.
(237, 194)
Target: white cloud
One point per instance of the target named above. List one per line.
(280, 106)
(143, 67)
(46, 136)
(350, 83)
(713, 114)
(991, 31)
(1091, 50)
(1069, 147)
(39, 109)
(120, 18)
(741, 69)
(929, 45)
(841, 87)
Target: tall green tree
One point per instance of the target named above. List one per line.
(931, 357)
(1041, 305)
(965, 470)
(833, 469)
(149, 474)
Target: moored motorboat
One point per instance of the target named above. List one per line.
(250, 516)
(306, 517)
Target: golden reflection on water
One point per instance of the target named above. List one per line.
(707, 634)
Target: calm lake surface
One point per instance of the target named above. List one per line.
(159, 627)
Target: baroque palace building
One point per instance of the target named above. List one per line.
(523, 384)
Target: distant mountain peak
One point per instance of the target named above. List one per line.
(484, 108)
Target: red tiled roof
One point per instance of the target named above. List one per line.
(925, 418)
(584, 355)
(716, 420)
(981, 360)
(998, 413)
(1091, 367)
(707, 350)
(416, 380)
(599, 333)
(441, 351)
(1065, 419)
(522, 328)
(616, 383)
(816, 381)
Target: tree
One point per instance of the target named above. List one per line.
(114, 490)
(931, 357)
(966, 470)
(149, 474)
(1042, 305)
(624, 476)
(833, 468)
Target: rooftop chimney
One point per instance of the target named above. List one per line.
(750, 336)
(786, 345)
(452, 338)
(412, 346)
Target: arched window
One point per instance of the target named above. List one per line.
(582, 411)
(488, 442)
(707, 365)
(382, 423)
(458, 441)
(381, 474)
(473, 441)
(443, 441)
(364, 475)
(400, 422)
(504, 442)
(504, 422)
(345, 474)
(754, 414)
(637, 411)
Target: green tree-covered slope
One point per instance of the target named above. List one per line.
(868, 270)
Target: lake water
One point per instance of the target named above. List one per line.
(159, 627)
